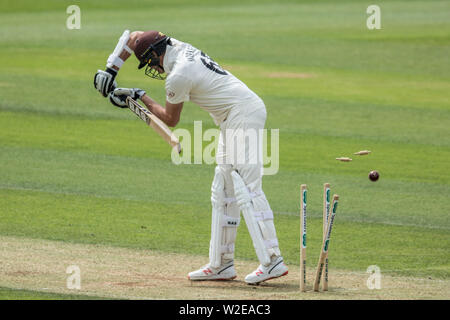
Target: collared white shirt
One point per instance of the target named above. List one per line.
(193, 76)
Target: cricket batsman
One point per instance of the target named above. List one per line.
(191, 75)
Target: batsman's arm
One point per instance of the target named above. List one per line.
(131, 43)
(104, 81)
(170, 115)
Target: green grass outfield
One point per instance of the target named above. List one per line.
(74, 168)
(16, 294)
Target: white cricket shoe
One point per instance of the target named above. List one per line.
(224, 272)
(274, 270)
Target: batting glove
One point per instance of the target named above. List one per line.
(118, 101)
(134, 93)
(118, 97)
(104, 81)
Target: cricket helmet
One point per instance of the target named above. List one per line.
(148, 43)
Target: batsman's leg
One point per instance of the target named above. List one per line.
(259, 219)
(224, 222)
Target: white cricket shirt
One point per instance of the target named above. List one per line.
(193, 76)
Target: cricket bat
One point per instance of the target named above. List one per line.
(155, 123)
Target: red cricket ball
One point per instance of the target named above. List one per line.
(374, 175)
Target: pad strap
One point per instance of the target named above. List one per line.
(271, 243)
(229, 200)
(264, 215)
(252, 195)
(227, 248)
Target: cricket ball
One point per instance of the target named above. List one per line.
(374, 175)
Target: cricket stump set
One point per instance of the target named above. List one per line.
(329, 213)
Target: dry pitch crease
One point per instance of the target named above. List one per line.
(40, 265)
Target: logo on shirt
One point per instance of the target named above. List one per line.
(170, 94)
(211, 64)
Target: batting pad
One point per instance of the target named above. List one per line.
(225, 218)
(244, 202)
